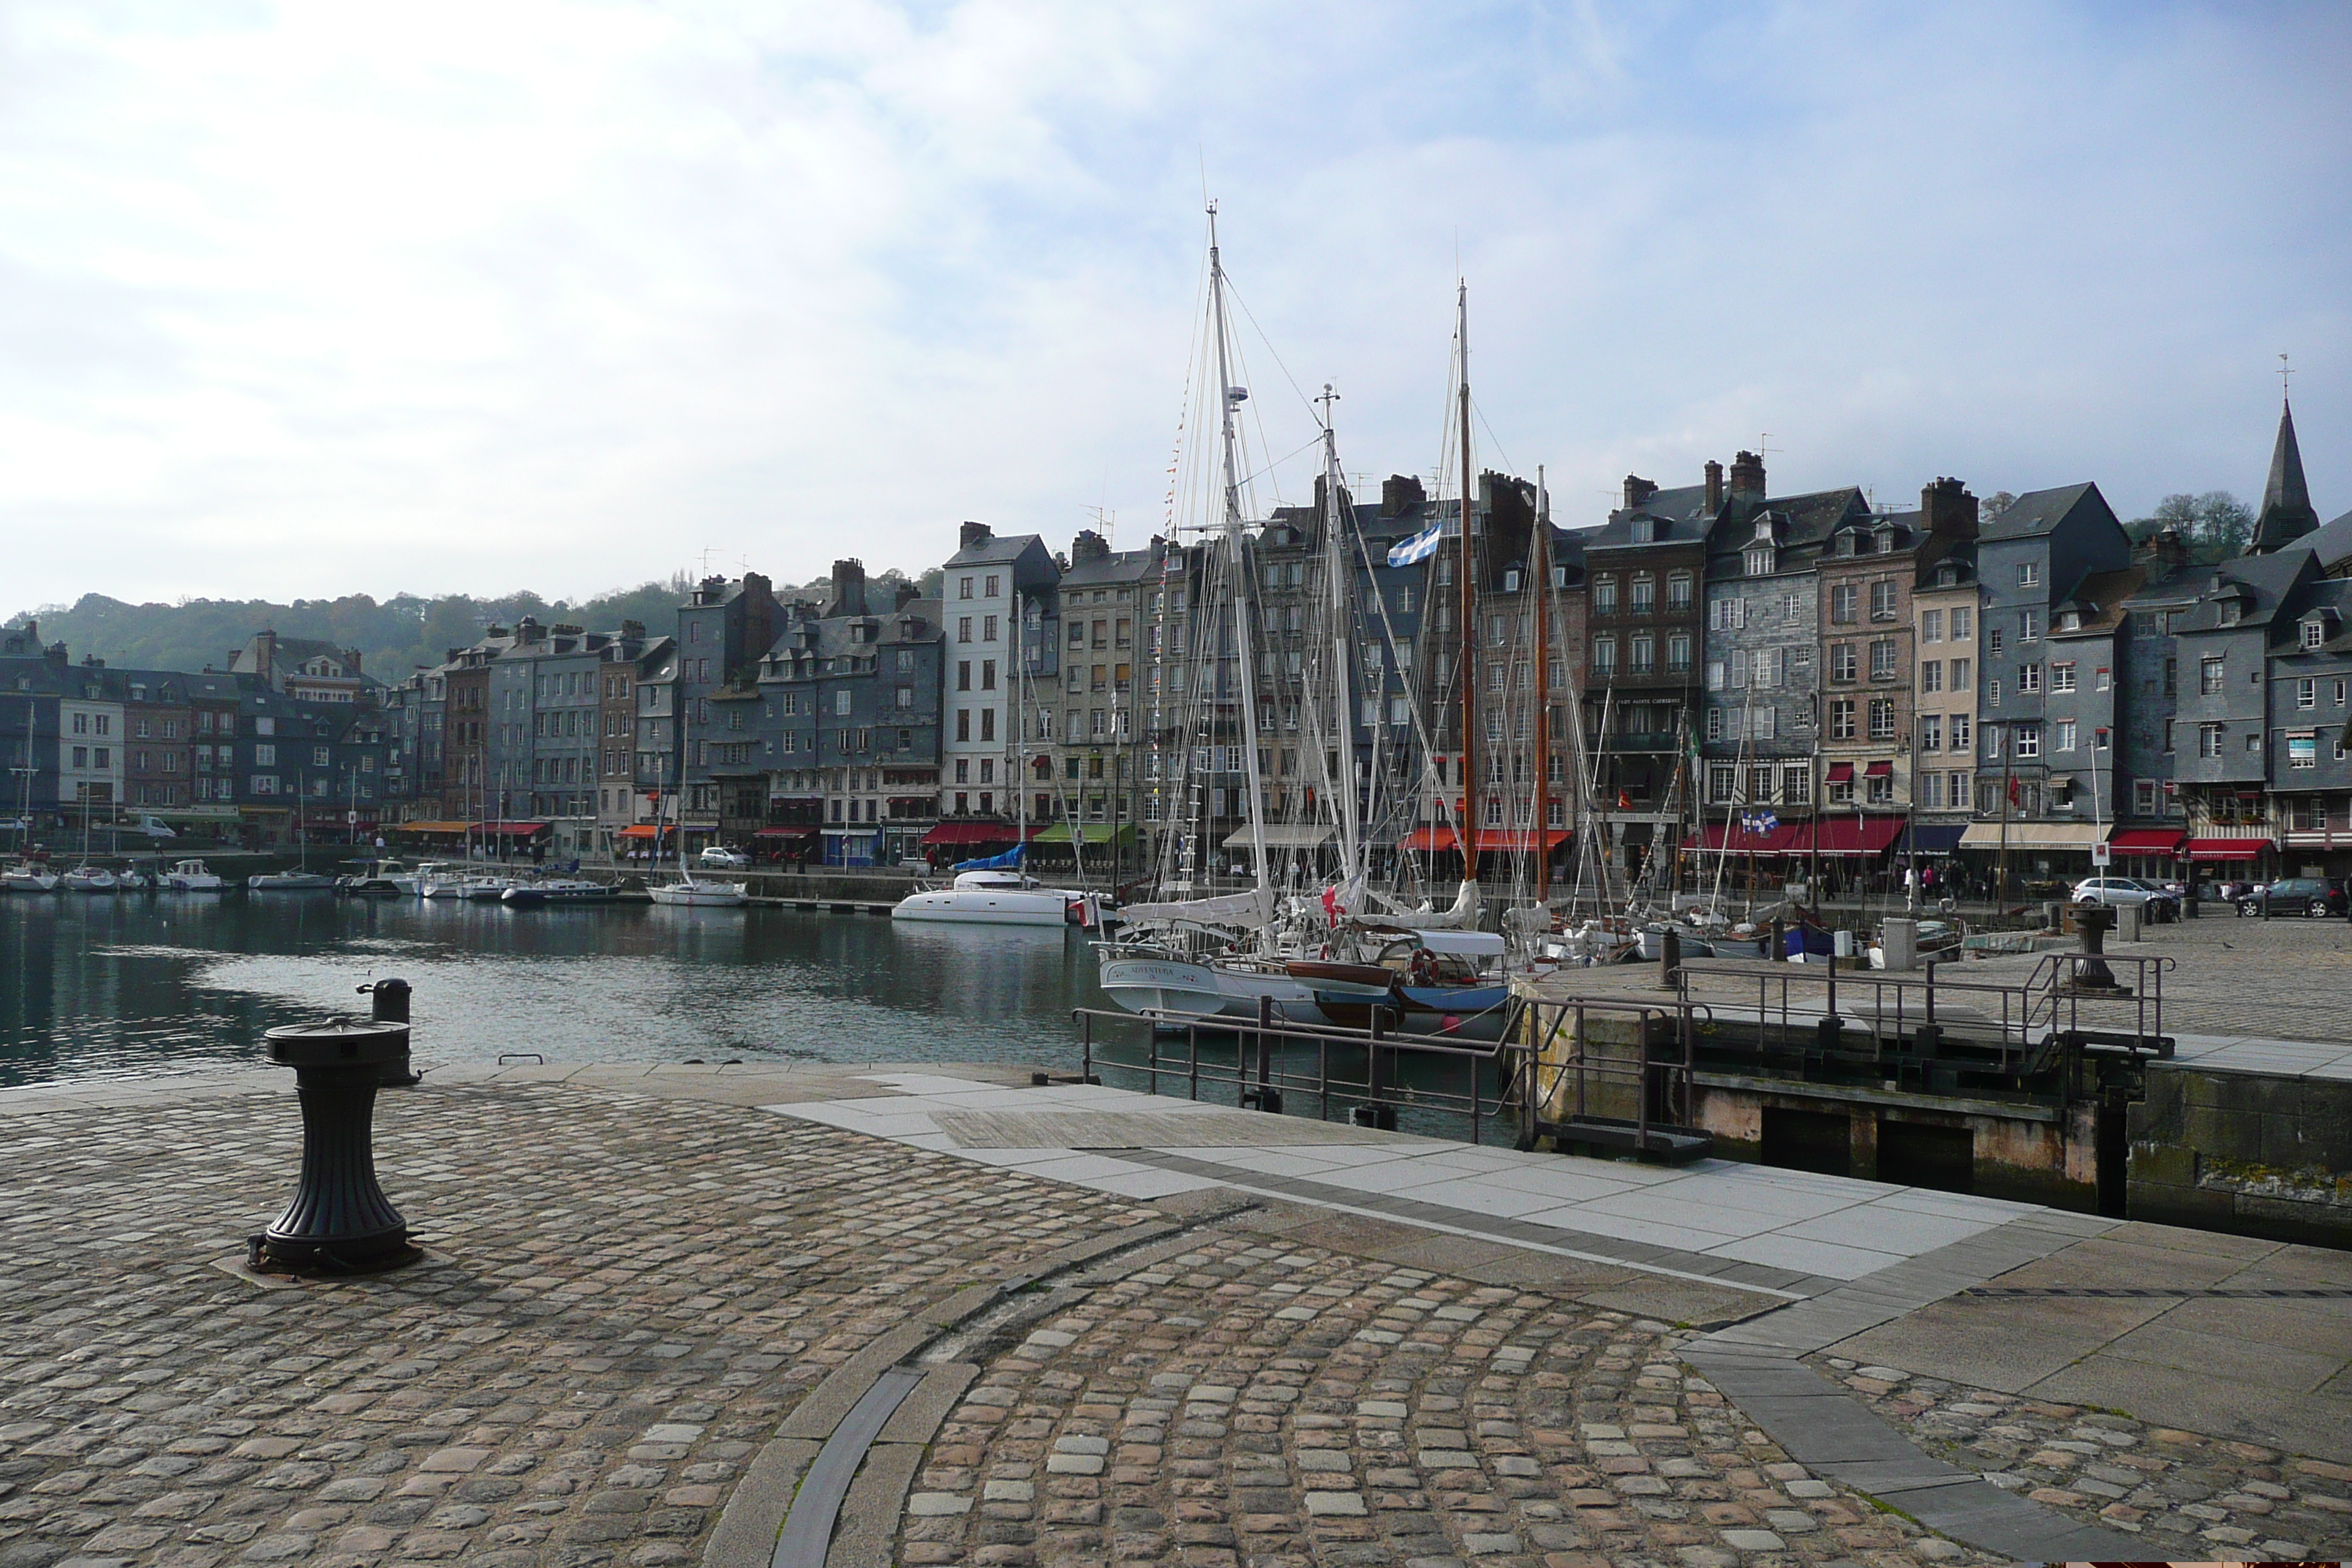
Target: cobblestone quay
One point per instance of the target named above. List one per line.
(634, 1284)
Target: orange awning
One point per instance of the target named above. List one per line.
(644, 830)
(1491, 840)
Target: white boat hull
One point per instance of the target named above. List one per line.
(699, 895)
(29, 882)
(972, 906)
(91, 882)
(1173, 986)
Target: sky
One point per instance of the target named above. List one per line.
(304, 301)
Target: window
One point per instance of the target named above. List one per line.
(2029, 624)
(2210, 676)
(1843, 665)
(2168, 737)
(1931, 625)
(2208, 740)
(1759, 562)
(1679, 590)
(1882, 599)
(1992, 693)
(318, 756)
(1715, 723)
(2101, 680)
(1720, 783)
(1604, 656)
(1931, 732)
(1604, 595)
(1644, 596)
(1881, 787)
(1842, 719)
(1678, 652)
(2029, 741)
(2062, 678)
(263, 757)
(1961, 623)
(1843, 600)
(1992, 744)
(2314, 633)
(988, 628)
(2306, 692)
(1882, 718)
(1992, 643)
(1796, 785)
(2062, 735)
(1715, 667)
(1962, 674)
(2099, 740)
(992, 589)
(1931, 675)
(2303, 749)
(2144, 798)
(1881, 660)
(2029, 677)
(2029, 574)
(1645, 655)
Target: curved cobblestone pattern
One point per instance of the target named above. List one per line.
(2189, 1495)
(628, 1293)
(1266, 1404)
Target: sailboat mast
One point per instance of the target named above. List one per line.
(1469, 596)
(1229, 396)
(1337, 571)
(1542, 563)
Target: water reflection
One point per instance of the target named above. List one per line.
(99, 985)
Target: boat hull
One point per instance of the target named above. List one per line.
(973, 907)
(698, 895)
(1170, 986)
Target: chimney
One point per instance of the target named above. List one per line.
(1748, 474)
(1400, 493)
(1714, 485)
(1947, 508)
(1089, 546)
(2165, 552)
(848, 587)
(973, 534)
(905, 594)
(633, 631)
(528, 629)
(1637, 490)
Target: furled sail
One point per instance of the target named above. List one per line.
(1254, 907)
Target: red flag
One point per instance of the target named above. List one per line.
(1624, 800)
(2015, 794)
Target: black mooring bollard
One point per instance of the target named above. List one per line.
(2092, 974)
(388, 1001)
(339, 1222)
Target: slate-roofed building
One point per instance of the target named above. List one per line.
(2224, 710)
(1944, 596)
(987, 587)
(304, 668)
(2310, 739)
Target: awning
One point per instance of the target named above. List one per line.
(645, 830)
(1934, 837)
(1718, 837)
(968, 832)
(1879, 771)
(433, 827)
(782, 832)
(2078, 836)
(1848, 835)
(2227, 849)
(514, 829)
(1491, 840)
(1094, 833)
(1840, 773)
(1283, 836)
(2148, 841)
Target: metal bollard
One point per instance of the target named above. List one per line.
(1670, 958)
(339, 1222)
(2093, 922)
(388, 1004)
(1263, 1095)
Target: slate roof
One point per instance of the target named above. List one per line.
(2102, 598)
(2268, 579)
(998, 549)
(2332, 544)
(2036, 512)
(2286, 513)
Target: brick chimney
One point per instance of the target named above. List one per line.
(1400, 493)
(633, 631)
(1748, 474)
(1947, 508)
(1714, 472)
(1089, 546)
(1637, 490)
(972, 536)
(2165, 552)
(849, 587)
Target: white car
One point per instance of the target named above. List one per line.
(2118, 891)
(723, 859)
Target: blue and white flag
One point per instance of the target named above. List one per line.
(1759, 823)
(1419, 547)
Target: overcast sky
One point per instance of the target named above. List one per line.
(306, 300)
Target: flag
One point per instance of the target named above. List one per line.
(1331, 905)
(2015, 794)
(1624, 800)
(1421, 546)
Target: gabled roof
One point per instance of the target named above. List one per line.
(998, 550)
(2036, 512)
(2101, 598)
(2286, 513)
(2332, 544)
(1121, 568)
(2262, 584)
(1677, 516)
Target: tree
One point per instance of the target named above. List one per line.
(1993, 505)
(2216, 526)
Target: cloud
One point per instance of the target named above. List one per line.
(309, 299)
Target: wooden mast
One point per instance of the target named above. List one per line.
(1469, 601)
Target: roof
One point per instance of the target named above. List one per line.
(1120, 567)
(995, 551)
(1938, 551)
(1677, 516)
(2332, 544)
(2266, 580)
(2102, 598)
(2036, 512)
(2286, 513)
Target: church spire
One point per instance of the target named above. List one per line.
(2286, 514)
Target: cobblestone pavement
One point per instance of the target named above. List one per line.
(1256, 1404)
(631, 1290)
(2191, 1496)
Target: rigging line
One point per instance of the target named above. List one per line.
(1509, 467)
(1235, 294)
(1268, 470)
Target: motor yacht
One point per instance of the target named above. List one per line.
(999, 897)
(291, 882)
(194, 876)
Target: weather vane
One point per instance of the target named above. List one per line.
(2285, 370)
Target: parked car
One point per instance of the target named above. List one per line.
(2316, 897)
(721, 858)
(2118, 890)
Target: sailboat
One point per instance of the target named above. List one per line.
(301, 880)
(87, 878)
(686, 892)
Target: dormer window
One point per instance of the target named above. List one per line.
(1848, 544)
(1759, 560)
(2315, 632)
(1886, 538)
(1645, 530)
(1948, 576)
(1511, 580)
(2232, 612)
(2069, 621)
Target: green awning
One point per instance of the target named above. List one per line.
(1096, 833)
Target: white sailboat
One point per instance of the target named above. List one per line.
(686, 892)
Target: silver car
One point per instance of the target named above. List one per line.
(2117, 890)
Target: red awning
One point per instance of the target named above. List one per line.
(512, 830)
(644, 830)
(1841, 773)
(977, 833)
(1849, 836)
(2147, 841)
(783, 832)
(1491, 840)
(2227, 849)
(1879, 771)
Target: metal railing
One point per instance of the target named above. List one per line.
(1260, 1077)
(2018, 1023)
(1661, 1091)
